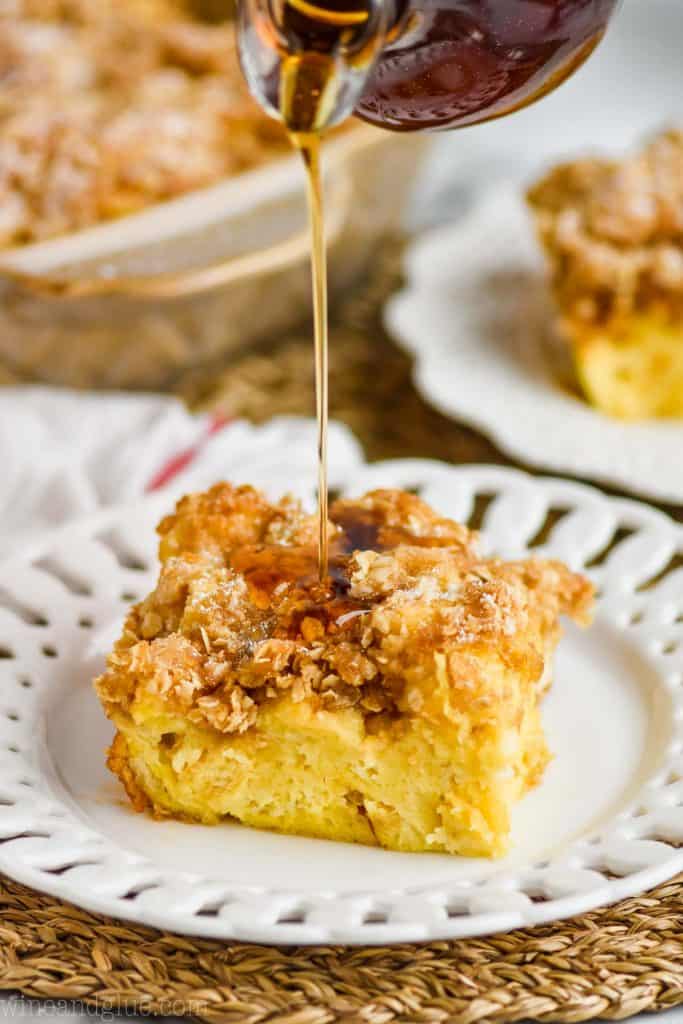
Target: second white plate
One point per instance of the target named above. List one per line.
(476, 315)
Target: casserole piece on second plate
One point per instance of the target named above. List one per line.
(613, 233)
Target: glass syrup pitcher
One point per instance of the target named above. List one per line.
(410, 65)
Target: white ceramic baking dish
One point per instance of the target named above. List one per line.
(134, 302)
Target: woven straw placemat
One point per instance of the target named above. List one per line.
(612, 963)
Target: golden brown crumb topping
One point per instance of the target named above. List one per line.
(107, 106)
(239, 617)
(614, 230)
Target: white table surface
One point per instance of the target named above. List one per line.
(607, 106)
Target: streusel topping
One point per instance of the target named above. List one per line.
(615, 230)
(239, 617)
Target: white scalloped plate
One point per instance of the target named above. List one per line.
(603, 825)
(477, 317)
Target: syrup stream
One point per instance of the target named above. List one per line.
(308, 145)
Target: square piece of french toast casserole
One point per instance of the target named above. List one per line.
(394, 704)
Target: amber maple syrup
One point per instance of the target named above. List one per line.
(354, 528)
(308, 145)
(308, 84)
(265, 567)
